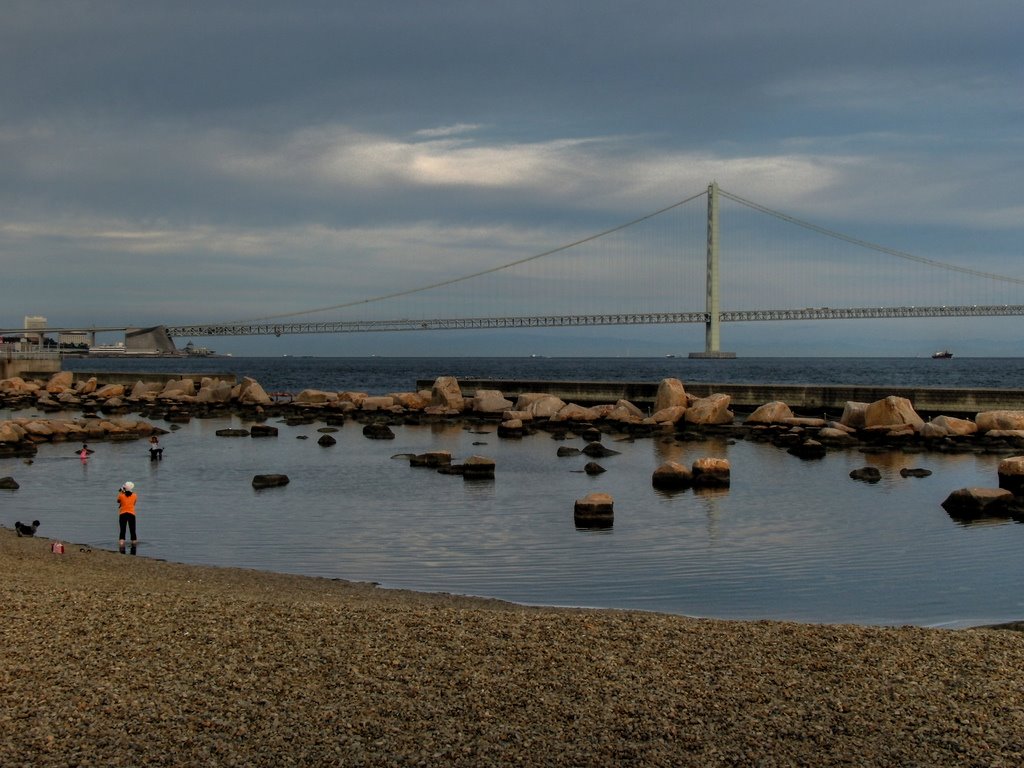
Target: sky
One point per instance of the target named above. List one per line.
(186, 162)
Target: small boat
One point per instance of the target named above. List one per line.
(945, 354)
(191, 350)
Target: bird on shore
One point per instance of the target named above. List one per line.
(26, 530)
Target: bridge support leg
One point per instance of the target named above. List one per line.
(711, 325)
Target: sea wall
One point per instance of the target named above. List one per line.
(926, 400)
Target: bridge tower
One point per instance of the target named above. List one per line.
(712, 346)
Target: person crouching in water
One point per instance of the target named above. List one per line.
(126, 498)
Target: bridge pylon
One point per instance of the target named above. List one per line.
(712, 324)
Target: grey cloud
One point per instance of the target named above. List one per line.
(211, 136)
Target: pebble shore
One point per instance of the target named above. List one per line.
(114, 660)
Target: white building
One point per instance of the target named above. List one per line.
(33, 323)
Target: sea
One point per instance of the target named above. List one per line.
(788, 540)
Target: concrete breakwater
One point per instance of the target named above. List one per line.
(804, 397)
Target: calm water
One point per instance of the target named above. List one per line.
(789, 539)
(379, 375)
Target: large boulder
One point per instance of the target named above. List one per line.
(989, 420)
(214, 391)
(110, 390)
(834, 436)
(539, 404)
(953, 426)
(510, 428)
(478, 468)
(176, 388)
(625, 411)
(315, 397)
(713, 409)
(711, 473)
(145, 390)
(574, 412)
(446, 393)
(1011, 475)
(489, 401)
(770, 413)
(87, 387)
(11, 432)
(892, 411)
(670, 415)
(411, 401)
(853, 414)
(17, 386)
(671, 394)
(60, 382)
(249, 392)
(672, 476)
(355, 398)
(971, 503)
(595, 510)
(378, 403)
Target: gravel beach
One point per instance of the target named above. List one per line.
(117, 660)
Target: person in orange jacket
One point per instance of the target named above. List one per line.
(126, 498)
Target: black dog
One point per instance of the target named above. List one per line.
(26, 530)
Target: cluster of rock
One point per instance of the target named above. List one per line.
(21, 436)
(887, 423)
(62, 392)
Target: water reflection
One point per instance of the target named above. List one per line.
(788, 539)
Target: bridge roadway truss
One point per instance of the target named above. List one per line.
(556, 321)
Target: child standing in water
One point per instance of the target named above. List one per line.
(126, 498)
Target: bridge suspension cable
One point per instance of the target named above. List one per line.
(866, 244)
(482, 272)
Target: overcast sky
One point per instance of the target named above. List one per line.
(176, 162)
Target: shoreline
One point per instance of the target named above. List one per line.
(112, 659)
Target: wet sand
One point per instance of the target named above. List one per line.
(110, 659)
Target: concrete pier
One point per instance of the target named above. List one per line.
(812, 398)
(28, 365)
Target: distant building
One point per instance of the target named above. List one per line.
(34, 323)
(73, 339)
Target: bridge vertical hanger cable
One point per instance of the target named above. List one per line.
(869, 245)
(479, 273)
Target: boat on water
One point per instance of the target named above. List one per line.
(944, 354)
(193, 351)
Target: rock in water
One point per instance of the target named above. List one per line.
(672, 476)
(269, 481)
(378, 432)
(596, 510)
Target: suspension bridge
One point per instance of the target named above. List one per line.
(674, 265)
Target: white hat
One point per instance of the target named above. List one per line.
(129, 485)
